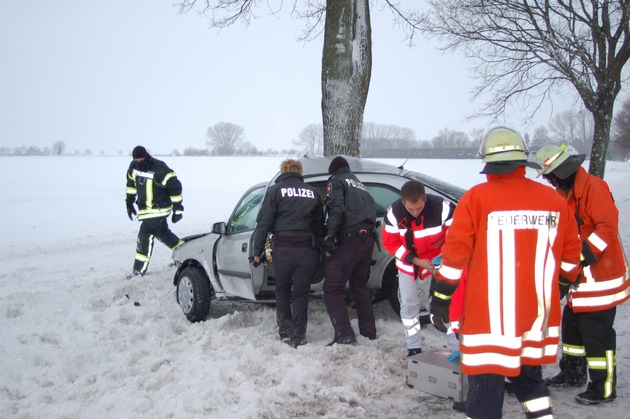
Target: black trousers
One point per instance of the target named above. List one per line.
(486, 393)
(149, 229)
(594, 333)
(294, 270)
(350, 263)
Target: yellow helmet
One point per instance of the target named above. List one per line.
(503, 150)
(560, 160)
(502, 144)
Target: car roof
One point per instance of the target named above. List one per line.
(318, 166)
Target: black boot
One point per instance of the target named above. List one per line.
(572, 372)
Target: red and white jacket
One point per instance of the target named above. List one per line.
(406, 237)
(605, 282)
(515, 236)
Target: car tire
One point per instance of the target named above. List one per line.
(393, 295)
(193, 293)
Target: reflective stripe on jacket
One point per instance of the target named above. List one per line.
(515, 236)
(605, 283)
(406, 237)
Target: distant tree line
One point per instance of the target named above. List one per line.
(574, 128)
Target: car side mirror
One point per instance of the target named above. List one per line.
(219, 228)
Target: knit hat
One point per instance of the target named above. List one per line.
(336, 164)
(140, 152)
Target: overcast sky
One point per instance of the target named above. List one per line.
(111, 74)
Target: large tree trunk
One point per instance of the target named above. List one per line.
(346, 71)
(601, 105)
(601, 134)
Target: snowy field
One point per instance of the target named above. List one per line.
(74, 345)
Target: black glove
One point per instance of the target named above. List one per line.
(329, 244)
(131, 210)
(587, 257)
(178, 212)
(565, 285)
(257, 264)
(440, 313)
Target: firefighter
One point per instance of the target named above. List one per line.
(158, 193)
(351, 219)
(415, 227)
(588, 336)
(293, 212)
(517, 239)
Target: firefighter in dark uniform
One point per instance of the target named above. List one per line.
(158, 193)
(349, 242)
(294, 213)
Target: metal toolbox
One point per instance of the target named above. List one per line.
(433, 373)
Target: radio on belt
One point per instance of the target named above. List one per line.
(433, 373)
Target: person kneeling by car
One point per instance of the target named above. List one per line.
(293, 212)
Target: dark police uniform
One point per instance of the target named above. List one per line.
(293, 211)
(157, 189)
(351, 221)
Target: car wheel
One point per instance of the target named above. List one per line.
(193, 294)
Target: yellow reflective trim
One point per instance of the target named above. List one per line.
(142, 258)
(611, 362)
(442, 296)
(149, 191)
(177, 198)
(167, 177)
(179, 243)
(574, 350)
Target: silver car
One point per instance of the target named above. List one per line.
(216, 265)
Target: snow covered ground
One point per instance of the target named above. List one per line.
(74, 345)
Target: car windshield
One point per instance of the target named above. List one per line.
(244, 216)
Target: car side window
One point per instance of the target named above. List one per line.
(244, 216)
(383, 196)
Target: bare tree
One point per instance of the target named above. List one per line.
(476, 135)
(540, 138)
(224, 138)
(621, 130)
(346, 60)
(447, 138)
(381, 137)
(311, 139)
(584, 130)
(526, 49)
(58, 148)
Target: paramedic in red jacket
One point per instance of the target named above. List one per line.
(588, 336)
(414, 232)
(518, 242)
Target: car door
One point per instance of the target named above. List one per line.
(236, 274)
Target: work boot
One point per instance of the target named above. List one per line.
(572, 372)
(344, 340)
(591, 396)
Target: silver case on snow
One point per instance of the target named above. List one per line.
(433, 373)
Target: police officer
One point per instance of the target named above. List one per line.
(293, 211)
(158, 193)
(349, 242)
